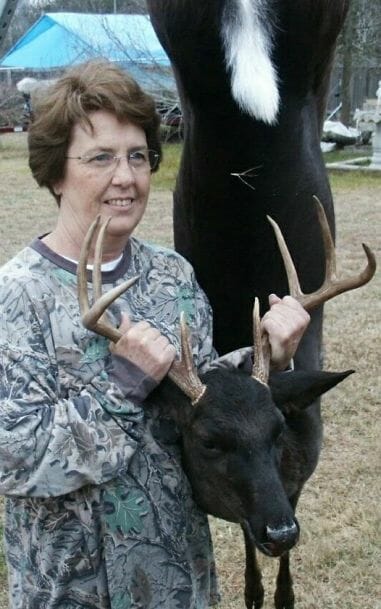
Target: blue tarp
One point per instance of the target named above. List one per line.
(58, 40)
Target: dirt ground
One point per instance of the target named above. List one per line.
(336, 565)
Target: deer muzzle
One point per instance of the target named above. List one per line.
(273, 540)
(280, 540)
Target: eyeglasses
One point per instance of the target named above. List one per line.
(140, 161)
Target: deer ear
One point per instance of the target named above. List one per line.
(297, 389)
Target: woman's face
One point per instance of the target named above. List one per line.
(88, 189)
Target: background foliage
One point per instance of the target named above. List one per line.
(359, 43)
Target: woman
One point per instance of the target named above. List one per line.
(99, 513)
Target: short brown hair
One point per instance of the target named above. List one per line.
(88, 87)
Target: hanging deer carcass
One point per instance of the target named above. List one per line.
(250, 439)
(253, 78)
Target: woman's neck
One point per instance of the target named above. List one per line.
(66, 244)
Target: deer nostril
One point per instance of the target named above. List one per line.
(283, 538)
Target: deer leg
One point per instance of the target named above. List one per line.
(254, 591)
(284, 595)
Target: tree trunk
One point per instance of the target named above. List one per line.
(349, 33)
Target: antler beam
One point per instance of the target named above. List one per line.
(331, 287)
(183, 372)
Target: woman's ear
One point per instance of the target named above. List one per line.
(57, 188)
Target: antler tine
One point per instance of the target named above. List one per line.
(183, 372)
(83, 296)
(293, 280)
(331, 286)
(97, 265)
(261, 365)
(92, 316)
(329, 246)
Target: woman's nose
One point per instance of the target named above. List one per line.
(123, 173)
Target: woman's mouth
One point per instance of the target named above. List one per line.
(119, 202)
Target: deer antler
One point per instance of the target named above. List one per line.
(183, 372)
(92, 317)
(261, 362)
(330, 288)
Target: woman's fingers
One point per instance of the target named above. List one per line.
(145, 347)
(285, 324)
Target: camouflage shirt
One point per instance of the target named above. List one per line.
(99, 513)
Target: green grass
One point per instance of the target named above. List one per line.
(165, 178)
(13, 146)
(346, 154)
(343, 180)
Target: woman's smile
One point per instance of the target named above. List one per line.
(125, 203)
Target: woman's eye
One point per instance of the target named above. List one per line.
(102, 158)
(139, 157)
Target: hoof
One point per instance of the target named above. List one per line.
(254, 601)
(284, 601)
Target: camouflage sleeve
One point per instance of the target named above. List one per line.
(54, 440)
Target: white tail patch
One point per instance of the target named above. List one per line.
(247, 50)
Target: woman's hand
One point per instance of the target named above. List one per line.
(285, 323)
(145, 347)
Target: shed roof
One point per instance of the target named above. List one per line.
(58, 40)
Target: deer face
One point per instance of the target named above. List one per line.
(232, 448)
(233, 442)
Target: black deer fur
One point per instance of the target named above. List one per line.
(220, 221)
(248, 449)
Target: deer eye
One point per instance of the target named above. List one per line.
(210, 446)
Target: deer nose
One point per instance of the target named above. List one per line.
(282, 539)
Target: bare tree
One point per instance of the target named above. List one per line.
(360, 46)
(100, 6)
(348, 34)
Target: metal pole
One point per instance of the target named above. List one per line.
(7, 8)
(115, 8)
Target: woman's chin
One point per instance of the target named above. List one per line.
(120, 227)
